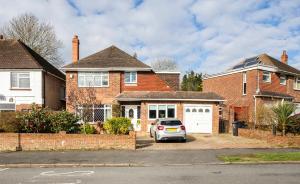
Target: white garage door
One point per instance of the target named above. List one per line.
(198, 118)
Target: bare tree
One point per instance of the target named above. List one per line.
(164, 65)
(82, 101)
(39, 36)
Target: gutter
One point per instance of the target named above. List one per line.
(272, 96)
(169, 99)
(107, 69)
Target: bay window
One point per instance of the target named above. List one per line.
(93, 79)
(161, 111)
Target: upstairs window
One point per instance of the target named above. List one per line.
(130, 77)
(266, 76)
(20, 80)
(244, 83)
(93, 79)
(283, 80)
(297, 83)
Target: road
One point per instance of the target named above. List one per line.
(203, 173)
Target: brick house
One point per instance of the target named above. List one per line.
(254, 81)
(28, 78)
(143, 95)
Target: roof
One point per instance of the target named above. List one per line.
(265, 59)
(111, 57)
(273, 94)
(168, 95)
(14, 54)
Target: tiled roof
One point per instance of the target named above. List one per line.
(169, 95)
(111, 57)
(14, 54)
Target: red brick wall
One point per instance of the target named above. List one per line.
(9, 141)
(146, 81)
(274, 86)
(270, 138)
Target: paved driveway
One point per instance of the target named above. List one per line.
(202, 141)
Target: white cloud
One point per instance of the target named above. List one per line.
(207, 35)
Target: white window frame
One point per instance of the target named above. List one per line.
(130, 78)
(93, 74)
(244, 82)
(280, 77)
(296, 80)
(269, 74)
(93, 108)
(166, 109)
(18, 80)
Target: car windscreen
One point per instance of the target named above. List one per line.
(171, 122)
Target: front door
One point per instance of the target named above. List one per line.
(133, 113)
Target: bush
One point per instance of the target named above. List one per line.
(64, 121)
(118, 125)
(88, 129)
(9, 122)
(37, 120)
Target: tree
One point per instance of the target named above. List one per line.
(192, 81)
(164, 65)
(39, 36)
(283, 112)
(84, 98)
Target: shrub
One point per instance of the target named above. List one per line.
(264, 117)
(119, 125)
(64, 121)
(87, 129)
(283, 112)
(9, 122)
(35, 121)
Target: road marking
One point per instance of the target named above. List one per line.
(4, 169)
(73, 173)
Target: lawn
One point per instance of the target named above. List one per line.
(261, 157)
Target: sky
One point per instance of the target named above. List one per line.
(207, 36)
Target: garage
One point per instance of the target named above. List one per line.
(197, 118)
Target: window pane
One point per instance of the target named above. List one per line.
(105, 80)
(89, 81)
(161, 107)
(123, 111)
(152, 107)
(24, 83)
(171, 113)
(97, 81)
(133, 76)
(152, 114)
(127, 77)
(138, 112)
(24, 75)
(162, 113)
(14, 82)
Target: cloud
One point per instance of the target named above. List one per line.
(207, 35)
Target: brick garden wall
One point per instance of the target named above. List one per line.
(28, 141)
(293, 141)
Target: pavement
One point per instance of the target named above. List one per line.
(212, 174)
(121, 157)
(203, 141)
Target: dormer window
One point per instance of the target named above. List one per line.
(266, 76)
(130, 77)
(282, 79)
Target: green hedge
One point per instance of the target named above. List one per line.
(118, 125)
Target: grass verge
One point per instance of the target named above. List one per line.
(261, 157)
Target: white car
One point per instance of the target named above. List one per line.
(168, 129)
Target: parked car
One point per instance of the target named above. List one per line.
(168, 129)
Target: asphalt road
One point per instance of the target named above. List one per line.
(233, 174)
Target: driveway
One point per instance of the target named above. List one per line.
(202, 141)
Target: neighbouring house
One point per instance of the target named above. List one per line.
(255, 81)
(28, 78)
(142, 95)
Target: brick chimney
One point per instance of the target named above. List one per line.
(75, 49)
(284, 57)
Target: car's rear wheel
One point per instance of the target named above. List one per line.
(155, 138)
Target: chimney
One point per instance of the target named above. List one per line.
(75, 49)
(284, 57)
(1, 37)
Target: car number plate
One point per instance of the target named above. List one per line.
(172, 129)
